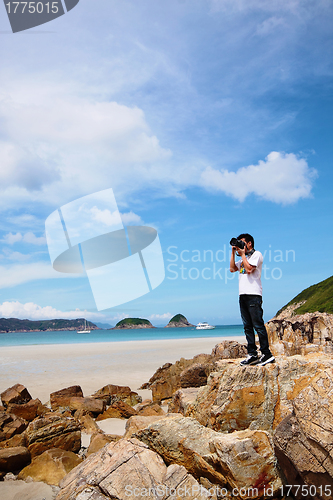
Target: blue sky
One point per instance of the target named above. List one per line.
(207, 118)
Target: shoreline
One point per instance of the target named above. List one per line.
(45, 368)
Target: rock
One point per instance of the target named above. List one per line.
(182, 400)
(127, 470)
(239, 460)
(254, 397)
(17, 394)
(117, 410)
(113, 393)
(301, 334)
(10, 425)
(150, 409)
(304, 439)
(194, 376)
(229, 349)
(138, 422)
(28, 411)
(16, 440)
(88, 424)
(13, 459)
(53, 431)
(166, 380)
(99, 440)
(51, 466)
(87, 405)
(62, 398)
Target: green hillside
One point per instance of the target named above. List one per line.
(133, 321)
(178, 318)
(318, 297)
(25, 325)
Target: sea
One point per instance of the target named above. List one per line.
(72, 337)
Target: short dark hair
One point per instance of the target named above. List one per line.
(247, 237)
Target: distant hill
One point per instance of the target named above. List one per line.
(133, 323)
(178, 321)
(103, 326)
(317, 297)
(48, 325)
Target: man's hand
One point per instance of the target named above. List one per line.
(241, 251)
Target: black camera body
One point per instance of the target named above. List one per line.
(237, 243)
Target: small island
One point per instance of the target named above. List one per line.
(178, 321)
(132, 323)
(10, 325)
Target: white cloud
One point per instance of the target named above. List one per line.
(16, 256)
(56, 146)
(106, 217)
(23, 273)
(160, 317)
(11, 238)
(30, 237)
(281, 178)
(131, 218)
(32, 311)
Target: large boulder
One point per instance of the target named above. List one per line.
(87, 405)
(242, 460)
(13, 459)
(61, 399)
(53, 431)
(254, 397)
(28, 411)
(190, 372)
(11, 425)
(112, 393)
(16, 394)
(128, 470)
(98, 440)
(304, 439)
(301, 334)
(117, 410)
(51, 466)
(166, 380)
(138, 422)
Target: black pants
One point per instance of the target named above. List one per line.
(252, 317)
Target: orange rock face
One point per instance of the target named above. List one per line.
(62, 398)
(17, 394)
(53, 431)
(253, 397)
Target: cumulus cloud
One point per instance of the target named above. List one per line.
(160, 317)
(30, 237)
(17, 274)
(57, 145)
(32, 311)
(280, 178)
(131, 218)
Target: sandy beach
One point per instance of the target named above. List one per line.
(47, 368)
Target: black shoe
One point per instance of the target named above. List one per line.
(266, 358)
(250, 360)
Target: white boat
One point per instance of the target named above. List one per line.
(85, 328)
(204, 326)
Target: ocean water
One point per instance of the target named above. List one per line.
(72, 337)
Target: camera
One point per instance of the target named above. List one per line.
(237, 243)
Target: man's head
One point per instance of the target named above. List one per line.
(248, 239)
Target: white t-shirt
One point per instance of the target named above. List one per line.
(250, 284)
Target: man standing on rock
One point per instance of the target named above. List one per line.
(250, 300)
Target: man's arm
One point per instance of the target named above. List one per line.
(233, 267)
(248, 267)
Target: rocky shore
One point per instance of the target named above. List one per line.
(213, 429)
